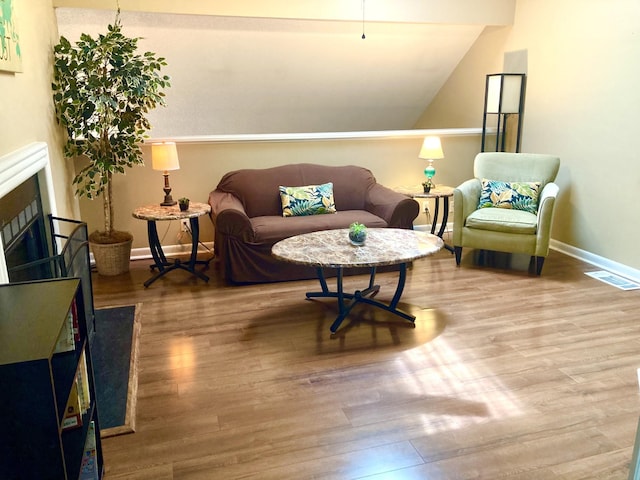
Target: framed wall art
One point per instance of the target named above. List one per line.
(10, 54)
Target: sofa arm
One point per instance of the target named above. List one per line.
(398, 210)
(229, 217)
(465, 201)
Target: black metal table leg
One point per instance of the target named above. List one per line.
(160, 259)
(445, 218)
(193, 261)
(194, 224)
(155, 246)
(346, 301)
(434, 222)
(392, 306)
(323, 281)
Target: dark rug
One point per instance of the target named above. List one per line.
(115, 364)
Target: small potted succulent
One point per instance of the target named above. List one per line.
(183, 203)
(357, 233)
(427, 185)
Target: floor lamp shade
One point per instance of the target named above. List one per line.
(164, 157)
(503, 93)
(503, 108)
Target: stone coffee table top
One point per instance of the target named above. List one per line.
(332, 248)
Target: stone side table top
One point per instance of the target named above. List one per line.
(332, 248)
(157, 212)
(417, 191)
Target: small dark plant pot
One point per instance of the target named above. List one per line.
(426, 188)
(184, 206)
(357, 238)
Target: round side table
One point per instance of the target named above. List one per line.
(439, 192)
(158, 213)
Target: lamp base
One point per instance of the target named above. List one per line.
(168, 201)
(430, 171)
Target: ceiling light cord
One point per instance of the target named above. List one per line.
(363, 35)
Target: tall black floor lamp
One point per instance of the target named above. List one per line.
(503, 109)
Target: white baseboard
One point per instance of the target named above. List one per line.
(427, 228)
(169, 251)
(596, 260)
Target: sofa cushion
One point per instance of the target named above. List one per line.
(512, 195)
(502, 220)
(307, 200)
(257, 189)
(270, 229)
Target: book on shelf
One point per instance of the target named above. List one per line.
(73, 412)
(82, 381)
(67, 339)
(76, 327)
(89, 465)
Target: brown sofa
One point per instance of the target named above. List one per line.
(246, 211)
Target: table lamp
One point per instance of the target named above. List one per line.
(431, 150)
(164, 157)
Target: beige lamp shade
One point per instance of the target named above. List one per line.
(164, 156)
(431, 149)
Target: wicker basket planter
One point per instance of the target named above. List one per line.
(112, 258)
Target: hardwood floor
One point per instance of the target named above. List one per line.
(505, 375)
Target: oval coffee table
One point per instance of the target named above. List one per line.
(332, 249)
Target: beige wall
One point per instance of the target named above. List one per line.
(26, 108)
(394, 162)
(239, 75)
(582, 104)
(459, 103)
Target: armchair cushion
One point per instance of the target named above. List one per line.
(512, 195)
(503, 220)
(307, 200)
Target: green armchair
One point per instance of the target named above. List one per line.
(518, 197)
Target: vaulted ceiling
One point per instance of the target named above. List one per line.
(251, 66)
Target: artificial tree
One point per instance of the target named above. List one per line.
(102, 92)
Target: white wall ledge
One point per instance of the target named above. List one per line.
(320, 136)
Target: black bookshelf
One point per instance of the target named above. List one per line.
(37, 379)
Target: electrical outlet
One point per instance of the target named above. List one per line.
(184, 225)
